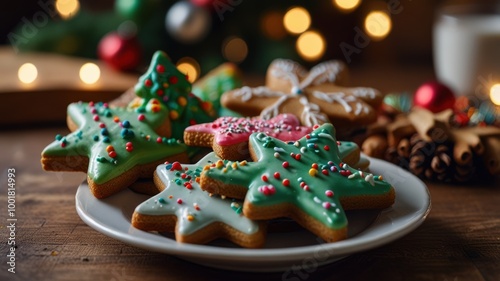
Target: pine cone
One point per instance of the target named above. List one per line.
(441, 165)
(391, 155)
(420, 155)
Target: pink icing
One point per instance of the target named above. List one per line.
(234, 130)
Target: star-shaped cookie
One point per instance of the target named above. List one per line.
(315, 96)
(305, 180)
(197, 216)
(228, 136)
(115, 146)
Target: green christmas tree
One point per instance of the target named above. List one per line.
(163, 81)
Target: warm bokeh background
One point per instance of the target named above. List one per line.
(257, 23)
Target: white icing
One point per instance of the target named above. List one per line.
(279, 149)
(325, 135)
(246, 93)
(273, 110)
(359, 107)
(287, 69)
(326, 72)
(211, 209)
(344, 100)
(365, 92)
(311, 114)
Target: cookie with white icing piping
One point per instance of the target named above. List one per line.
(195, 215)
(315, 96)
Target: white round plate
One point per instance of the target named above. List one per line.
(299, 248)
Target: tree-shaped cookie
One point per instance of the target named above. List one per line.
(305, 180)
(195, 215)
(115, 146)
(165, 82)
(315, 96)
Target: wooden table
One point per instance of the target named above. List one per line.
(460, 240)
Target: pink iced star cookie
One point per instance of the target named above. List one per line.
(228, 136)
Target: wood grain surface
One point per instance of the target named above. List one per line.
(460, 240)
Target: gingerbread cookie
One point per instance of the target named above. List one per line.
(349, 152)
(195, 215)
(305, 180)
(224, 78)
(315, 96)
(163, 81)
(228, 136)
(115, 146)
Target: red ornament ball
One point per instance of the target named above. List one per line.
(202, 3)
(119, 52)
(434, 96)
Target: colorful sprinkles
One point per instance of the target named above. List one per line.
(111, 137)
(304, 170)
(194, 208)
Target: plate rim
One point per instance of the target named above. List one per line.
(336, 249)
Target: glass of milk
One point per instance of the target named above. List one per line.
(467, 46)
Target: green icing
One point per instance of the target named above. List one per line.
(310, 193)
(165, 82)
(194, 208)
(219, 82)
(121, 127)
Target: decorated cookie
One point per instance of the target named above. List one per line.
(163, 81)
(315, 96)
(115, 146)
(349, 152)
(305, 180)
(224, 78)
(195, 215)
(228, 136)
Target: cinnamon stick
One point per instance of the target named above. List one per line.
(399, 129)
(430, 126)
(375, 146)
(492, 154)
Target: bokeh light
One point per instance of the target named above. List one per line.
(347, 5)
(27, 73)
(189, 67)
(272, 25)
(378, 24)
(234, 49)
(495, 94)
(311, 45)
(67, 8)
(90, 73)
(297, 20)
